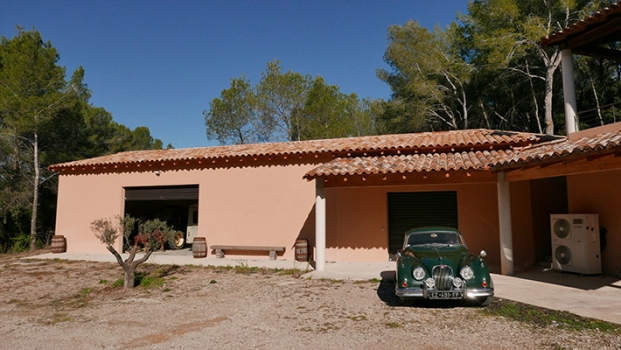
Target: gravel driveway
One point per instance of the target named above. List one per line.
(65, 305)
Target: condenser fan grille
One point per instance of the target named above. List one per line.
(562, 254)
(562, 228)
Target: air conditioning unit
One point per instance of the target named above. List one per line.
(575, 243)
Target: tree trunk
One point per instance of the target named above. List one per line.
(130, 276)
(599, 109)
(35, 195)
(548, 99)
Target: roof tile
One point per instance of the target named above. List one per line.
(427, 141)
(466, 160)
(410, 163)
(577, 28)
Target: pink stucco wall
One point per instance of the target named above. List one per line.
(360, 230)
(600, 193)
(270, 204)
(261, 205)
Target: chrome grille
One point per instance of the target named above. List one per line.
(443, 275)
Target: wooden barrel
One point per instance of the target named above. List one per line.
(301, 249)
(199, 247)
(59, 244)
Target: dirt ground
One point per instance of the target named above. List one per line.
(50, 304)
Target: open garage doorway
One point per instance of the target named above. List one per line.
(177, 205)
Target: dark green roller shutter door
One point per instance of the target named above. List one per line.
(407, 210)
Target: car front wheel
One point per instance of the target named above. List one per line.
(484, 301)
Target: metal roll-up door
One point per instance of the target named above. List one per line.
(407, 210)
(161, 193)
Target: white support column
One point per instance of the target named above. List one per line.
(504, 220)
(569, 91)
(320, 226)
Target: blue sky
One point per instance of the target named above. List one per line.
(159, 63)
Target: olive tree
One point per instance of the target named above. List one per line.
(153, 234)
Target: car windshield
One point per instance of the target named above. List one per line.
(423, 238)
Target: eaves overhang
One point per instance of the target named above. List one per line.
(563, 151)
(471, 140)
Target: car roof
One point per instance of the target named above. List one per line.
(432, 228)
(426, 229)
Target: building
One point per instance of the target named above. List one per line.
(353, 198)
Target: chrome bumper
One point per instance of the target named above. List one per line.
(420, 293)
(409, 292)
(479, 292)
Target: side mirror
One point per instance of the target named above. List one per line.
(399, 255)
(482, 254)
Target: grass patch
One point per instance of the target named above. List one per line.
(245, 269)
(118, 283)
(85, 292)
(543, 317)
(148, 282)
(289, 272)
(393, 325)
(372, 280)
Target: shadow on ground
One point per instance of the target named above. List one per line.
(566, 279)
(386, 293)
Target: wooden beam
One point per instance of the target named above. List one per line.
(595, 34)
(599, 52)
(596, 164)
(423, 178)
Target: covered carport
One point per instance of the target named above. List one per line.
(450, 182)
(590, 163)
(504, 196)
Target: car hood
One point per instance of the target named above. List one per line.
(435, 254)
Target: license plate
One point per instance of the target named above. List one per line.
(446, 295)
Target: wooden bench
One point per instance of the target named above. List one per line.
(221, 248)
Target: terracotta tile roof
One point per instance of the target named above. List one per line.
(425, 142)
(556, 150)
(596, 19)
(479, 160)
(561, 149)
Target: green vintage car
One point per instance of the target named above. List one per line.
(435, 264)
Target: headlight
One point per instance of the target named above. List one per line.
(457, 282)
(466, 272)
(430, 283)
(418, 273)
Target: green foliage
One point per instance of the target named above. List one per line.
(393, 325)
(20, 243)
(85, 292)
(118, 283)
(108, 231)
(489, 70)
(45, 119)
(281, 98)
(156, 231)
(231, 118)
(148, 282)
(428, 77)
(542, 317)
(286, 107)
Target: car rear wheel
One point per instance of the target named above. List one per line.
(178, 240)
